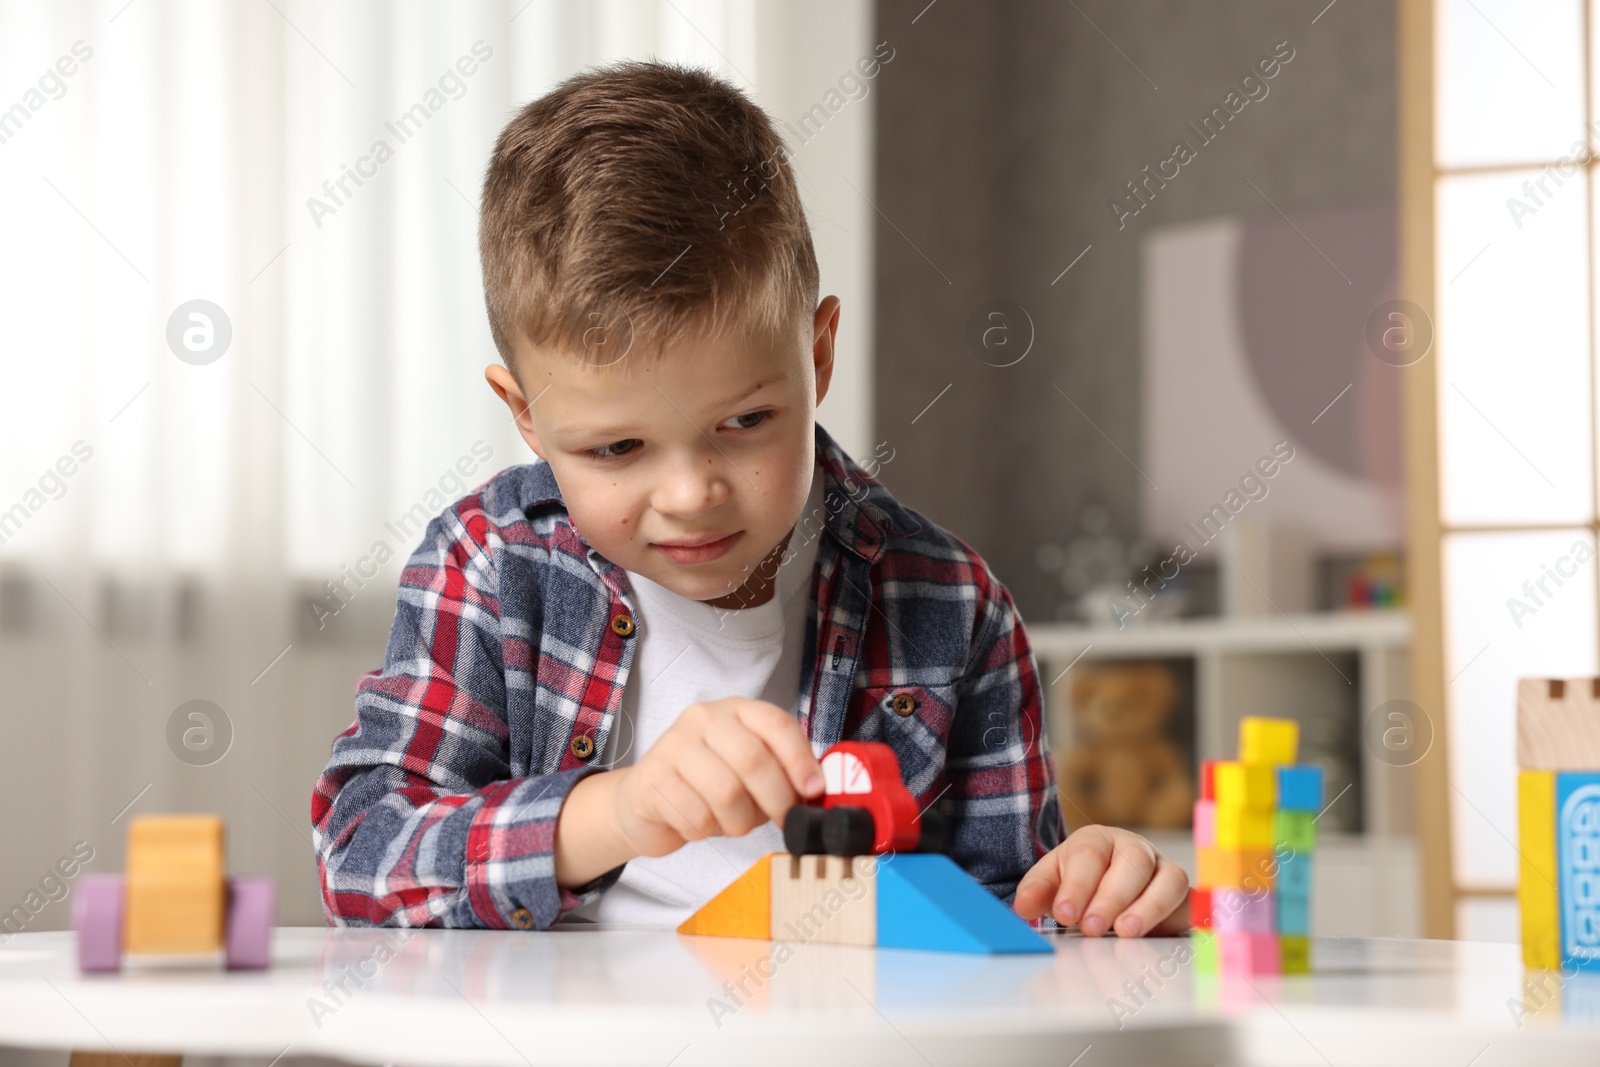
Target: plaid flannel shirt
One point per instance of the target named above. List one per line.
(512, 642)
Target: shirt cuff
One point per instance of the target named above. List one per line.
(510, 862)
(578, 896)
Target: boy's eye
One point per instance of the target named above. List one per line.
(760, 416)
(603, 452)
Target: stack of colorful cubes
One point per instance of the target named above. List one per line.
(1254, 834)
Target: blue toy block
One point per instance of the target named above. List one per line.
(1300, 788)
(1294, 875)
(925, 901)
(1578, 859)
(1294, 916)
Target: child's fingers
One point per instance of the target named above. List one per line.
(1038, 888)
(1082, 869)
(1133, 864)
(1177, 922)
(764, 778)
(788, 743)
(1160, 899)
(681, 808)
(733, 811)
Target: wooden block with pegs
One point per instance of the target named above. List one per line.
(832, 899)
(1558, 724)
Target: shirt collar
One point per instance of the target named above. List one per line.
(857, 505)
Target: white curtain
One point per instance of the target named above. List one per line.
(310, 171)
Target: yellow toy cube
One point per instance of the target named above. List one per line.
(1245, 785)
(1248, 829)
(1268, 741)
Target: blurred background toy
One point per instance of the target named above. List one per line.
(1122, 769)
(1095, 568)
(175, 903)
(1558, 816)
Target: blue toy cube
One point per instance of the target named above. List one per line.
(1294, 915)
(1300, 788)
(1294, 875)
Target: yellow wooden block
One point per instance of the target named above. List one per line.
(831, 899)
(743, 909)
(1244, 828)
(1245, 785)
(1538, 876)
(1268, 741)
(175, 884)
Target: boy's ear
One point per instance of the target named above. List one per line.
(506, 388)
(826, 330)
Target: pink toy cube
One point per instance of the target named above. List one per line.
(1205, 823)
(1238, 911)
(1249, 954)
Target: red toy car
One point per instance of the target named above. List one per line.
(866, 808)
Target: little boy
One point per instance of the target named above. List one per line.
(611, 672)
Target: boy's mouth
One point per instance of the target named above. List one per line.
(699, 549)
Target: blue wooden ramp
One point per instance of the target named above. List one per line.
(926, 901)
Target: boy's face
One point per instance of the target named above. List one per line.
(713, 441)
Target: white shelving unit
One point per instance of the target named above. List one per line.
(1295, 666)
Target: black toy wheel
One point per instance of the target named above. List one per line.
(847, 832)
(935, 831)
(802, 830)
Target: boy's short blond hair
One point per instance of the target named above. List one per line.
(653, 201)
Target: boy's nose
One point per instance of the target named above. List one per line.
(692, 487)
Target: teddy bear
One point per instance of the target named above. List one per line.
(1121, 769)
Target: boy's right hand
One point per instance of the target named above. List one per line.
(722, 769)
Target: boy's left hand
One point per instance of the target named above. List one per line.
(1106, 879)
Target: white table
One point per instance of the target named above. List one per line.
(620, 996)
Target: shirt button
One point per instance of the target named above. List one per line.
(903, 704)
(523, 918)
(582, 746)
(622, 625)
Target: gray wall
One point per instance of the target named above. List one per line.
(1004, 126)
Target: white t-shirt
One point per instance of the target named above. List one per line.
(689, 652)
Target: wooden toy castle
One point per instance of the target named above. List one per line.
(1255, 832)
(1558, 817)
